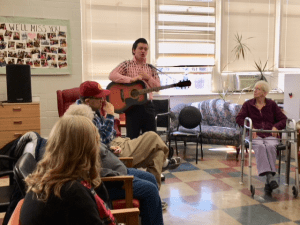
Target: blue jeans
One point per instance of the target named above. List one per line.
(146, 191)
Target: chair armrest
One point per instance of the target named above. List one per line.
(164, 114)
(118, 178)
(6, 157)
(60, 104)
(128, 216)
(6, 173)
(128, 161)
(127, 186)
(117, 127)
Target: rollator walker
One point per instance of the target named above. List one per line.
(291, 138)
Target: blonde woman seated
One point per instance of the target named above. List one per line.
(59, 190)
(266, 115)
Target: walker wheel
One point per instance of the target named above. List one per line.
(252, 189)
(295, 192)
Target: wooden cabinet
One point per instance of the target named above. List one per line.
(18, 118)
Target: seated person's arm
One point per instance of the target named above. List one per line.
(240, 118)
(107, 131)
(242, 115)
(280, 118)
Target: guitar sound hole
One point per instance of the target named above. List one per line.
(134, 93)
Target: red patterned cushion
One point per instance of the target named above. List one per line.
(121, 204)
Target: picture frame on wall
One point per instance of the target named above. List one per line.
(44, 44)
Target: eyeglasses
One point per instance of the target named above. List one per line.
(257, 89)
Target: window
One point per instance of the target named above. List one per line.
(185, 33)
(254, 22)
(289, 33)
(109, 28)
(185, 42)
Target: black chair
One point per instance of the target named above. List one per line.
(162, 115)
(6, 191)
(162, 120)
(189, 118)
(25, 166)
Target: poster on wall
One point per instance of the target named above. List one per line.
(44, 44)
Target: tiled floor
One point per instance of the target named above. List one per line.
(210, 193)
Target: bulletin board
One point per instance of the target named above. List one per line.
(44, 44)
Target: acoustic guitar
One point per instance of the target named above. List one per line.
(123, 96)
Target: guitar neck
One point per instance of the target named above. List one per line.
(148, 90)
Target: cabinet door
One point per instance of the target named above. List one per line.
(23, 123)
(20, 110)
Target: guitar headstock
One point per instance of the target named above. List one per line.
(185, 83)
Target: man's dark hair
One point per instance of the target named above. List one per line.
(135, 44)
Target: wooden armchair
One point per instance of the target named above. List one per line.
(128, 203)
(128, 214)
(67, 97)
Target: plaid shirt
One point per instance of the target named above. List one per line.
(105, 126)
(129, 69)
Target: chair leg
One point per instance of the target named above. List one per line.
(171, 151)
(201, 148)
(176, 146)
(238, 149)
(184, 150)
(197, 152)
(279, 162)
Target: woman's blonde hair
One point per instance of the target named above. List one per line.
(72, 152)
(264, 85)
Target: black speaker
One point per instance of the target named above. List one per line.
(18, 80)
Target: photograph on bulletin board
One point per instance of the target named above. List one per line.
(44, 44)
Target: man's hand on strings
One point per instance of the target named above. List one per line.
(144, 76)
(134, 79)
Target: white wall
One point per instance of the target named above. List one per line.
(292, 103)
(44, 87)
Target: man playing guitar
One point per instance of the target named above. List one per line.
(138, 117)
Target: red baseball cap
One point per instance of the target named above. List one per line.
(92, 89)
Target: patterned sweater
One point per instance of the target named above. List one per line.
(268, 117)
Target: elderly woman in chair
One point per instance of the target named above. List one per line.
(266, 115)
(60, 190)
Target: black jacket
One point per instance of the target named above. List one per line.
(76, 206)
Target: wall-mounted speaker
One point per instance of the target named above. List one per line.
(18, 81)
